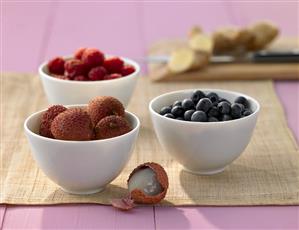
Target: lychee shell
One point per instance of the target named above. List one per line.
(138, 196)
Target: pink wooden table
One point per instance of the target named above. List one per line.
(32, 31)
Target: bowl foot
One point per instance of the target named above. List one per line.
(206, 173)
(86, 192)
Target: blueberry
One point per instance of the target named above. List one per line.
(199, 116)
(213, 97)
(197, 95)
(226, 117)
(169, 115)
(223, 99)
(246, 112)
(224, 107)
(188, 114)
(236, 110)
(165, 109)
(187, 104)
(177, 111)
(204, 104)
(243, 101)
(212, 119)
(213, 112)
(180, 118)
(177, 103)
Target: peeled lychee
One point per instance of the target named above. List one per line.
(148, 183)
(73, 124)
(47, 118)
(103, 106)
(112, 126)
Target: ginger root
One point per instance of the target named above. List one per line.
(263, 33)
(185, 59)
(201, 43)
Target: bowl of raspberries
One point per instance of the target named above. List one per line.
(82, 148)
(86, 74)
(205, 129)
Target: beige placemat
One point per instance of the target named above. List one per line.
(266, 173)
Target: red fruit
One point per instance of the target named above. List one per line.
(113, 65)
(47, 119)
(112, 76)
(97, 73)
(62, 77)
(80, 78)
(127, 69)
(92, 57)
(79, 52)
(74, 67)
(56, 65)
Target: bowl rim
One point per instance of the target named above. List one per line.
(42, 73)
(204, 90)
(29, 131)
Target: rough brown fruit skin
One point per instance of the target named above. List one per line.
(73, 125)
(104, 106)
(47, 118)
(112, 126)
(138, 196)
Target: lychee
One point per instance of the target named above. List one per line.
(73, 124)
(103, 106)
(47, 118)
(112, 126)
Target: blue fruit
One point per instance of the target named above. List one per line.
(197, 95)
(169, 115)
(188, 104)
(204, 104)
(165, 109)
(178, 111)
(199, 116)
(224, 107)
(188, 114)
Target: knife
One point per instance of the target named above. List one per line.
(255, 57)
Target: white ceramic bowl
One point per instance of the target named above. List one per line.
(203, 147)
(81, 167)
(67, 92)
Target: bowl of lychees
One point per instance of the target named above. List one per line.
(204, 129)
(88, 73)
(82, 148)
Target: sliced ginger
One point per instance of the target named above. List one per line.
(185, 59)
(201, 43)
(194, 30)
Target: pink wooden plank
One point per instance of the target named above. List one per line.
(282, 13)
(113, 27)
(2, 214)
(288, 93)
(23, 26)
(77, 217)
(173, 20)
(227, 218)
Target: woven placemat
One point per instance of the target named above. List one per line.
(266, 173)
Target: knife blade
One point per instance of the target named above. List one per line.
(263, 56)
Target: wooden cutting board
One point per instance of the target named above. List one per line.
(231, 71)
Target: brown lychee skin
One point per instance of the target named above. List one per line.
(138, 196)
(47, 118)
(112, 126)
(73, 124)
(103, 106)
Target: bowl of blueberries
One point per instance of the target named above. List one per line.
(204, 130)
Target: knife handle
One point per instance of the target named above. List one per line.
(272, 56)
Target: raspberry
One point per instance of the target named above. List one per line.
(74, 67)
(127, 69)
(80, 78)
(92, 57)
(62, 77)
(56, 65)
(113, 65)
(79, 52)
(112, 76)
(97, 73)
